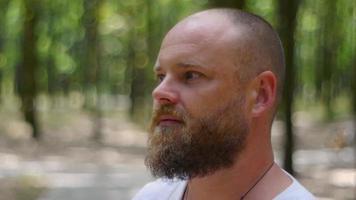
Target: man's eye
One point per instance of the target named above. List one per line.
(192, 75)
(160, 77)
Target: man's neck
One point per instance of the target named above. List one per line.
(232, 183)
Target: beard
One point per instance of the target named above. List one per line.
(196, 147)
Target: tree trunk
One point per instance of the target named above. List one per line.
(328, 46)
(3, 8)
(137, 90)
(353, 87)
(138, 82)
(26, 71)
(287, 25)
(91, 65)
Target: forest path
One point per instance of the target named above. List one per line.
(67, 165)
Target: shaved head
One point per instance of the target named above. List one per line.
(263, 49)
(256, 45)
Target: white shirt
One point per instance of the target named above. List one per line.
(163, 189)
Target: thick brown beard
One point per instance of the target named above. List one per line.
(198, 147)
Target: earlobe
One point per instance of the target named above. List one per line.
(265, 93)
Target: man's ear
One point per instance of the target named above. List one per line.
(265, 89)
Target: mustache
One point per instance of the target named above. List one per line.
(168, 110)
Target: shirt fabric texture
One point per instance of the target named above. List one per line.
(165, 189)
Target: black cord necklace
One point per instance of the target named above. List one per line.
(258, 180)
(186, 192)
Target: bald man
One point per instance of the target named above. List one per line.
(220, 75)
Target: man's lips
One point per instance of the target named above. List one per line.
(169, 120)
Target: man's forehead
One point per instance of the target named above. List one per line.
(198, 28)
(204, 38)
(182, 54)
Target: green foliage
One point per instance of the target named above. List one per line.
(129, 35)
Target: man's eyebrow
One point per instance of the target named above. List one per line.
(188, 65)
(181, 64)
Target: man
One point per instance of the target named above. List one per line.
(220, 75)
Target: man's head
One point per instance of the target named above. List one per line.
(218, 72)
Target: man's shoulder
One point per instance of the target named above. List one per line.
(295, 191)
(161, 189)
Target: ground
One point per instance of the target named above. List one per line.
(67, 164)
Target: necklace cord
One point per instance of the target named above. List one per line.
(185, 194)
(258, 180)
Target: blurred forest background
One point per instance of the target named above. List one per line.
(64, 60)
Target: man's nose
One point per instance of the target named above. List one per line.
(165, 92)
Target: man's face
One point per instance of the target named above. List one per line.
(199, 123)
